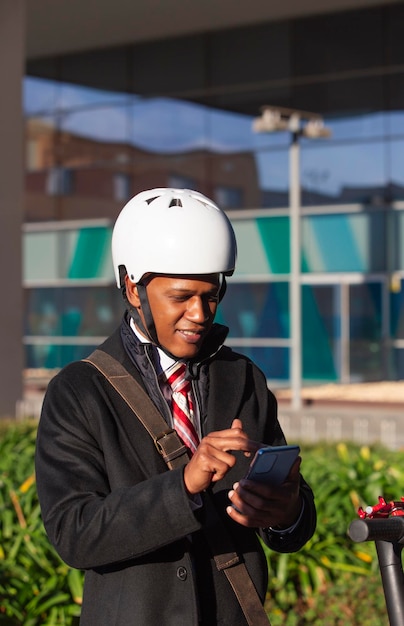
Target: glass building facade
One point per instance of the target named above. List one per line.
(105, 124)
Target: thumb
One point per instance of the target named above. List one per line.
(236, 423)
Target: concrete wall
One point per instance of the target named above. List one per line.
(12, 59)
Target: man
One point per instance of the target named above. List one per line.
(109, 503)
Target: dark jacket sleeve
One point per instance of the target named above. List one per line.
(106, 496)
(295, 540)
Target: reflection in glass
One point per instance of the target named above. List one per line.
(397, 311)
(343, 173)
(320, 333)
(274, 362)
(365, 323)
(92, 145)
(256, 310)
(397, 170)
(73, 311)
(43, 95)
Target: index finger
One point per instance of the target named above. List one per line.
(231, 439)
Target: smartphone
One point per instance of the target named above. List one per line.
(271, 465)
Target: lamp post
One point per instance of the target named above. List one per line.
(299, 124)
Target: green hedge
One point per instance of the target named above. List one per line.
(36, 587)
(333, 580)
(330, 581)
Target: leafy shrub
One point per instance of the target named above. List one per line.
(36, 587)
(331, 581)
(331, 569)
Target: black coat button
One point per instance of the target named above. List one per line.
(182, 573)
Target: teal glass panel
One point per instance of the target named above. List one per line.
(365, 324)
(275, 239)
(344, 242)
(72, 311)
(55, 356)
(76, 254)
(258, 310)
(320, 331)
(252, 257)
(40, 256)
(263, 245)
(91, 251)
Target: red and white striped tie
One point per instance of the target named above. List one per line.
(183, 407)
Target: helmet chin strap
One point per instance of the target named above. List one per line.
(149, 328)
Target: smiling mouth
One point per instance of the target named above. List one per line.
(192, 334)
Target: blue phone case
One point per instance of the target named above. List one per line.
(271, 465)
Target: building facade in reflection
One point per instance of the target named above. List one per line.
(104, 124)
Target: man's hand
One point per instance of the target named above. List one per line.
(260, 506)
(213, 459)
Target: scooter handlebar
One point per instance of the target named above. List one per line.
(378, 529)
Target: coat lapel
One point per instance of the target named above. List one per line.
(225, 392)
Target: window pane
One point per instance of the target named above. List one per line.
(72, 311)
(274, 362)
(256, 310)
(397, 310)
(366, 354)
(55, 356)
(320, 333)
(77, 254)
(344, 242)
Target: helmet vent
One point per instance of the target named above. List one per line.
(175, 202)
(150, 200)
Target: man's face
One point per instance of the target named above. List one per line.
(183, 310)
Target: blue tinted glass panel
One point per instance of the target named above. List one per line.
(397, 310)
(273, 177)
(365, 323)
(168, 126)
(43, 95)
(256, 310)
(72, 311)
(39, 95)
(330, 173)
(396, 174)
(364, 126)
(274, 362)
(104, 124)
(343, 173)
(399, 243)
(398, 363)
(55, 356)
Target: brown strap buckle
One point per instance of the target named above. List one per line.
(164, 443)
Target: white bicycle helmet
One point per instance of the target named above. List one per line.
(172, 231)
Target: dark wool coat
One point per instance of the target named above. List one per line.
(111, 507)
